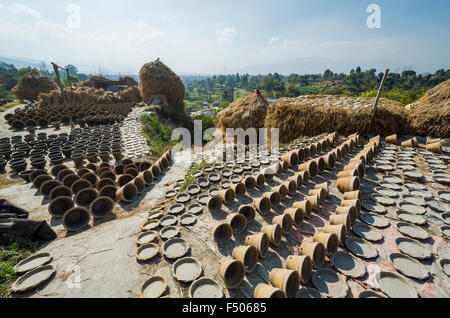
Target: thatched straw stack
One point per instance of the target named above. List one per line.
(316, 114)
(131, 94)
(158, 79)
(246, 112)
(430, 115)
(33, 83)
(101, 82)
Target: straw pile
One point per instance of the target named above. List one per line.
(31, 84)
(246, 112)
(101, 82)
(317, 114)
(430, 115)
(158, 79)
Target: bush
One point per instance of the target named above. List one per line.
(157, 134)
(404, 97)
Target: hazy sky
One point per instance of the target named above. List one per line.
(210, 36)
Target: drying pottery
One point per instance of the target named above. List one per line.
(336, 219)
(214, 204)
(205, 288)
(268, 291)
(176, 208)
(32, 262)
(360, 247)
(348, 264)
(412, 208)
(76, 218)
(260, 242)
(248, 255)
(273, 232)
(340, 230)
(367, 232)
(169, 232)
(146, 237)
(248, 211)
(33, 279)
(395, 286)
(411, 218)
(305, 207)
(222, 232)
(187, 269)
(329, 283)
(329, 240)
(285, 279)
(285, 221)
(408, 266)
(175, 248)
(412, 231)
(238, 222)
(413, 248)
(232, 272)
(101, 207)
(153, 287)
(296, 215)
(169, 220)
(374, 220)
(308, 293)
(370, 294)
(301, 264)
(188, 219)
(59, 206)
(373, 207)
(348, 184)
(262, 205)
(150, 225)
(314, 250)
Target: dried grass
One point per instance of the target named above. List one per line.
(32, 84)
(99, 82)
(430, 115)
(317, 114)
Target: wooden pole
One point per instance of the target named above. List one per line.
(55, 68)
(380, 90)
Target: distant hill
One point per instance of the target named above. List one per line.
(20, 62)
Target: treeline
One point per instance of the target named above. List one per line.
(405, 87)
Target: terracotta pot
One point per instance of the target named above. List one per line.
(434, 147)
(76, 218)
(355, 203)
(268, 173)
(291, 187)
(315, 250)
(285, 279)
(314, 200)
(156, 172)
(311, 167)
(248, 211)
(348, 173)
(408, 143)
(320, 165)
(391, 139)
(298, 179)
(285, 221)
(227, 196)
(268, 291)
(128, 193)
(146, 177)
(86, 196)
(260, 241)
(248, 255)
(304, 175)
(232, 272)
(282, 190)
(355, 166)
(336, 219)
(296, 215)
(60, 191)
(302, 264)
(59, 206)
(323, 186)
(262, 205)
(108, 191)
(140, 185)
(348, 184)
(48, 186)
(321, 194)
(291, 158)
(305, 207)
(350, 210)
(274, 197)
(329, 240)
(238, 222)
(214, 204)
(340, 230)
(101, 207)
(250, 182)
(274, 233)
(352, 195)
(300, 154)
(111, 175)
(239, 189)
(222, 232)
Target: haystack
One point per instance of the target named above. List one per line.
(131, 94)
(33, 83)
(101, 82)
(430, 115)
(246, 112)
(158, 79)
(317, 114)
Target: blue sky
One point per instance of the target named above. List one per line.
(199, 36)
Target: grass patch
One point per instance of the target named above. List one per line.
(8, 106)
(157, 134)
(189, 178)
(292, 142)
(9, 257)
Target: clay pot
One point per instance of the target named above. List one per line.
(408, 143)
(91, 177)
(285, 279)
(59, 206)
(340, 231)
(296, 215)
(282, 190)
(355, 166)
(329, 240)
(128, 193)
(311, 167)
(336, 219)
(262, 205)
(314, 201)
(76, 218)
(274, 232)
(239, 189)
(300, 154)
(222, 232)
(291, 158)
(320, 165)
(348, 184)
(276, 169)
(248, 255)
(48, 186)
(64, 173)
(350, 210)
(60, 191)
(238, 222)
(18, 165)
(147, 177)
(305, 207)
(214, 204)
(434, 147)
(391, 139)
(79, 185)
(250, 182)
(315, 250)
(108, 191)
(304, 175)
(321, 193)
(86, 196)
(274, 197)
(101, 207)
(298, 179)
(329, 161)
(348, 173)
(131, 171)
(109, 175)
(227, 196)
(36, 173)
(302, 264)
(25, 175)
(269, 173)
(285, 221)
(248, 211)
(77, 159)
(260, 241)
(232, 272)
(323, 186)
(260, 180)
(268, 291)
(156, 172)
(353, 195)
(104, 182)
(124, 179)
(355, 203)
(291, 187)
(140, 185)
